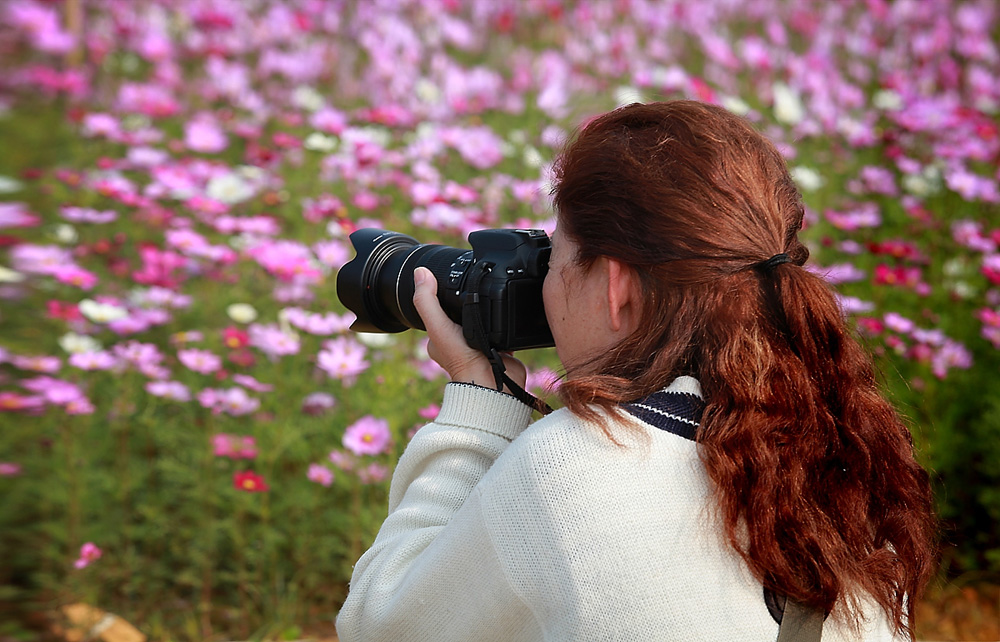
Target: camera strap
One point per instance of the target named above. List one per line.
(472, 317)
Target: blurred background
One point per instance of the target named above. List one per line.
(191, 439)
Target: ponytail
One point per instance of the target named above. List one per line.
(814, 472)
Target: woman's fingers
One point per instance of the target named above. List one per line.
(447, 342)
(447, 346)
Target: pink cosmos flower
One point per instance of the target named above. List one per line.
(11, 401)
(201, 361)
(249, 382)
(286, 259)
(76, 276)
(234, 446)
(87, 215)
(17, 215)
(320, 474)
(429, 412)
(79, 406)
(9, 469)
(96, 360)
(89, 553)
(542, 380)
(373, 473)
(54, 391)
(343, 461)
(36, 363)
(367, 436)
(174, 390)
(150, 99)
(991, 268)
(39, 259)
(898, 323)
(272, 340)
(203, 135)
(236, 402)
(866, 215)
(318, 403)
(951, 355)
(342, 358)
(159, 267)
(329, 120)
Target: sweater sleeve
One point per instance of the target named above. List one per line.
(432, 572)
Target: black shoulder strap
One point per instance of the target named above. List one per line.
(472, 317)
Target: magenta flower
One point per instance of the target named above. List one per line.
(201, 361)
(75, 275)
(320, 474)
(89, 552)
(9, 469)
(367, 436)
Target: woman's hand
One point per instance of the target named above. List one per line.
(447, 343)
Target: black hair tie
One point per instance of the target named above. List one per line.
(773, 262)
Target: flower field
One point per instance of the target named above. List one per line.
(191, 438)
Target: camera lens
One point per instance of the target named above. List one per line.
(377, 285)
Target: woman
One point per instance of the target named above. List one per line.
(723, 445)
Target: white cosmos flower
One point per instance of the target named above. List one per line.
(318, 142)
(101, 312)
(65, 233)
(10, 185)
(307, 98)
(788, 107)
(532, 157)
(428, 92)
(807, 178)
(241, 312)
(8, 275)
(375, 339)
(74, 343)
(887, 100)
(229, 188)
(626, 95)
(736, 105)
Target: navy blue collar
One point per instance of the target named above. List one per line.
(675, 412)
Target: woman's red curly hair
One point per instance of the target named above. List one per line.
(814, 471)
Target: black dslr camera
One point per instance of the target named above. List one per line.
(493, 290)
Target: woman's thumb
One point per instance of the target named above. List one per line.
(425, 296)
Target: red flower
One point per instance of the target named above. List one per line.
(233, 337)
(249, 481)
(63, 310)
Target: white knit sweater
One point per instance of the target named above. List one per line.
(502, 531)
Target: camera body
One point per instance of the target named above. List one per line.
(497, 285)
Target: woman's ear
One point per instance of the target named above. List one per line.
(623, 299)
